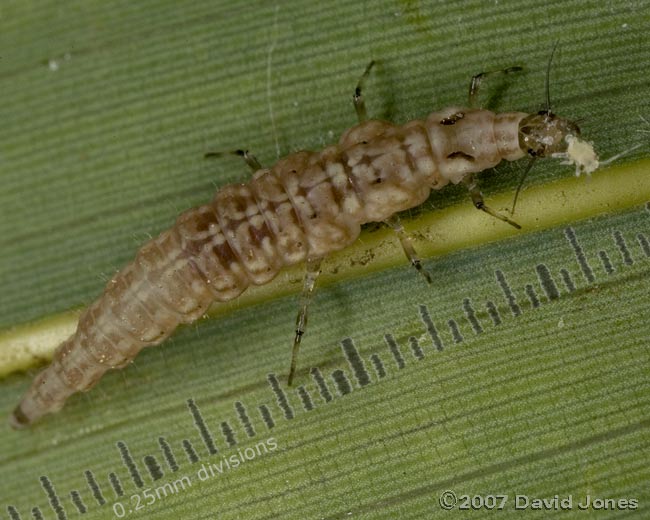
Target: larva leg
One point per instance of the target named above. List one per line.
(476, 83)
(359, 102)
(309, 282)
(407, 245)
(249, 158)
(479, 203)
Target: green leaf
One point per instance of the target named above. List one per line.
(540, 386)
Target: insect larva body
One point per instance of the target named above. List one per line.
(306, 206)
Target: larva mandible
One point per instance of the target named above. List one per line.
(306, 206)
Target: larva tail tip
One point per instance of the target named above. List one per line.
(18, 420)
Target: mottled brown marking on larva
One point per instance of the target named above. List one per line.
(306, 206)
(408, 157)
(451, 120)
(257, 235)
(363, 134)
(460, 155)
(203, 218)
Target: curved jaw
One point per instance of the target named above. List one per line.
(547, 135)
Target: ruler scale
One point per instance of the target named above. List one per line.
(359, 369)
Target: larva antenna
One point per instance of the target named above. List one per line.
(547, 93)
(547, 80)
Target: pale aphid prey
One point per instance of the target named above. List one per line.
(303, 208)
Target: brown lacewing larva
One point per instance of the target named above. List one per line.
(303, 208)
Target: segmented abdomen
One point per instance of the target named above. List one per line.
(308, 205)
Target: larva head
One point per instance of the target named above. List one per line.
(546, 135)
